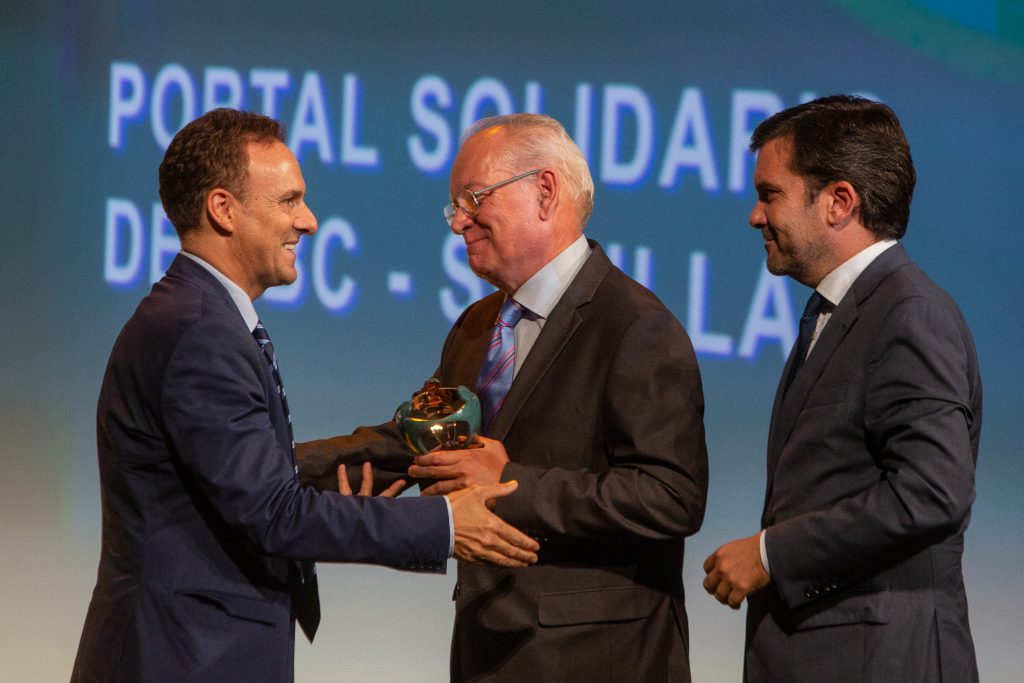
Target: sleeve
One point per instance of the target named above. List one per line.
(655, 487)
(216, 412)
(381, 445)
(917, 423)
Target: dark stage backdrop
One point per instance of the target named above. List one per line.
(661, 96)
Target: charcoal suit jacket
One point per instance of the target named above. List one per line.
(871, 457)
(604, 430)
(203, 518)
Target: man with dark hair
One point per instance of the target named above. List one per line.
(856, 573)
(208, 535)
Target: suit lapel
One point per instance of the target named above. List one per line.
(787, 408)
(474, 337)
(558, 329)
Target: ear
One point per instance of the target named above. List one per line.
(843, 203)
(547, 184)
(220, 209)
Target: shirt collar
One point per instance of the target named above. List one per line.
(241, 299)
(836, 284)
(542, 291)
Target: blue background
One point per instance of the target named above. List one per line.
(953, 71)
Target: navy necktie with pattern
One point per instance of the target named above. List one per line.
(305, 590)
(499, 363)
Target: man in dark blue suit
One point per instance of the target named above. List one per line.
(856, 574)
(208, 535)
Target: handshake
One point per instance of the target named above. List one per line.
(441, 425)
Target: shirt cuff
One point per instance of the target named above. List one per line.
(764, 553)
(451, 529)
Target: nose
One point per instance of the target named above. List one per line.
(460, 222)
(305, 222)
(757, 218)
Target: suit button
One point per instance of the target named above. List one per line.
(808, 593)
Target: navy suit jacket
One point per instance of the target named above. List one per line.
(203, 517)
(871, 457)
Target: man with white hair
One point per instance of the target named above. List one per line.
(592, 401)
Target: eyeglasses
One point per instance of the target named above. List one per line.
(469, 201)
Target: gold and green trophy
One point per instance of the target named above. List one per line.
(448, 417)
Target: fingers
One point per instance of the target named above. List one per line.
(439, 458)
(734, 571)
(366, 485)
(393, 490)
(436, 465)
(711, 581)
(715, 583)
(723, 591)
(499, 544)
(481, 536)
(523, 547)
(441, 488)
(432, 472)
(343, 487)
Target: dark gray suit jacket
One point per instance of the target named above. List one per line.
(604, 430)
(202, 515)
(871, 457)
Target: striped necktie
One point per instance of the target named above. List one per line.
(305, 592)
(500, 362)
(268, 351)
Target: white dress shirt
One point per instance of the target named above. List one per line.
(542, 292)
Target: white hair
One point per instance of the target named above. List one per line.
(542, 141)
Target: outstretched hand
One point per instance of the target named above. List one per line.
(482, 536)
(366, 485)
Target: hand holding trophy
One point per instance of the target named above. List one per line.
(448, 417)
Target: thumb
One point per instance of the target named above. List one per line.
(500, 490)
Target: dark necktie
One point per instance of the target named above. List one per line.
(305, 591)
(499, 364)
(808, 321)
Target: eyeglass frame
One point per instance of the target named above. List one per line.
(473, 203)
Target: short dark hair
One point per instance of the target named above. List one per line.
(842, 137)
(210, 152)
